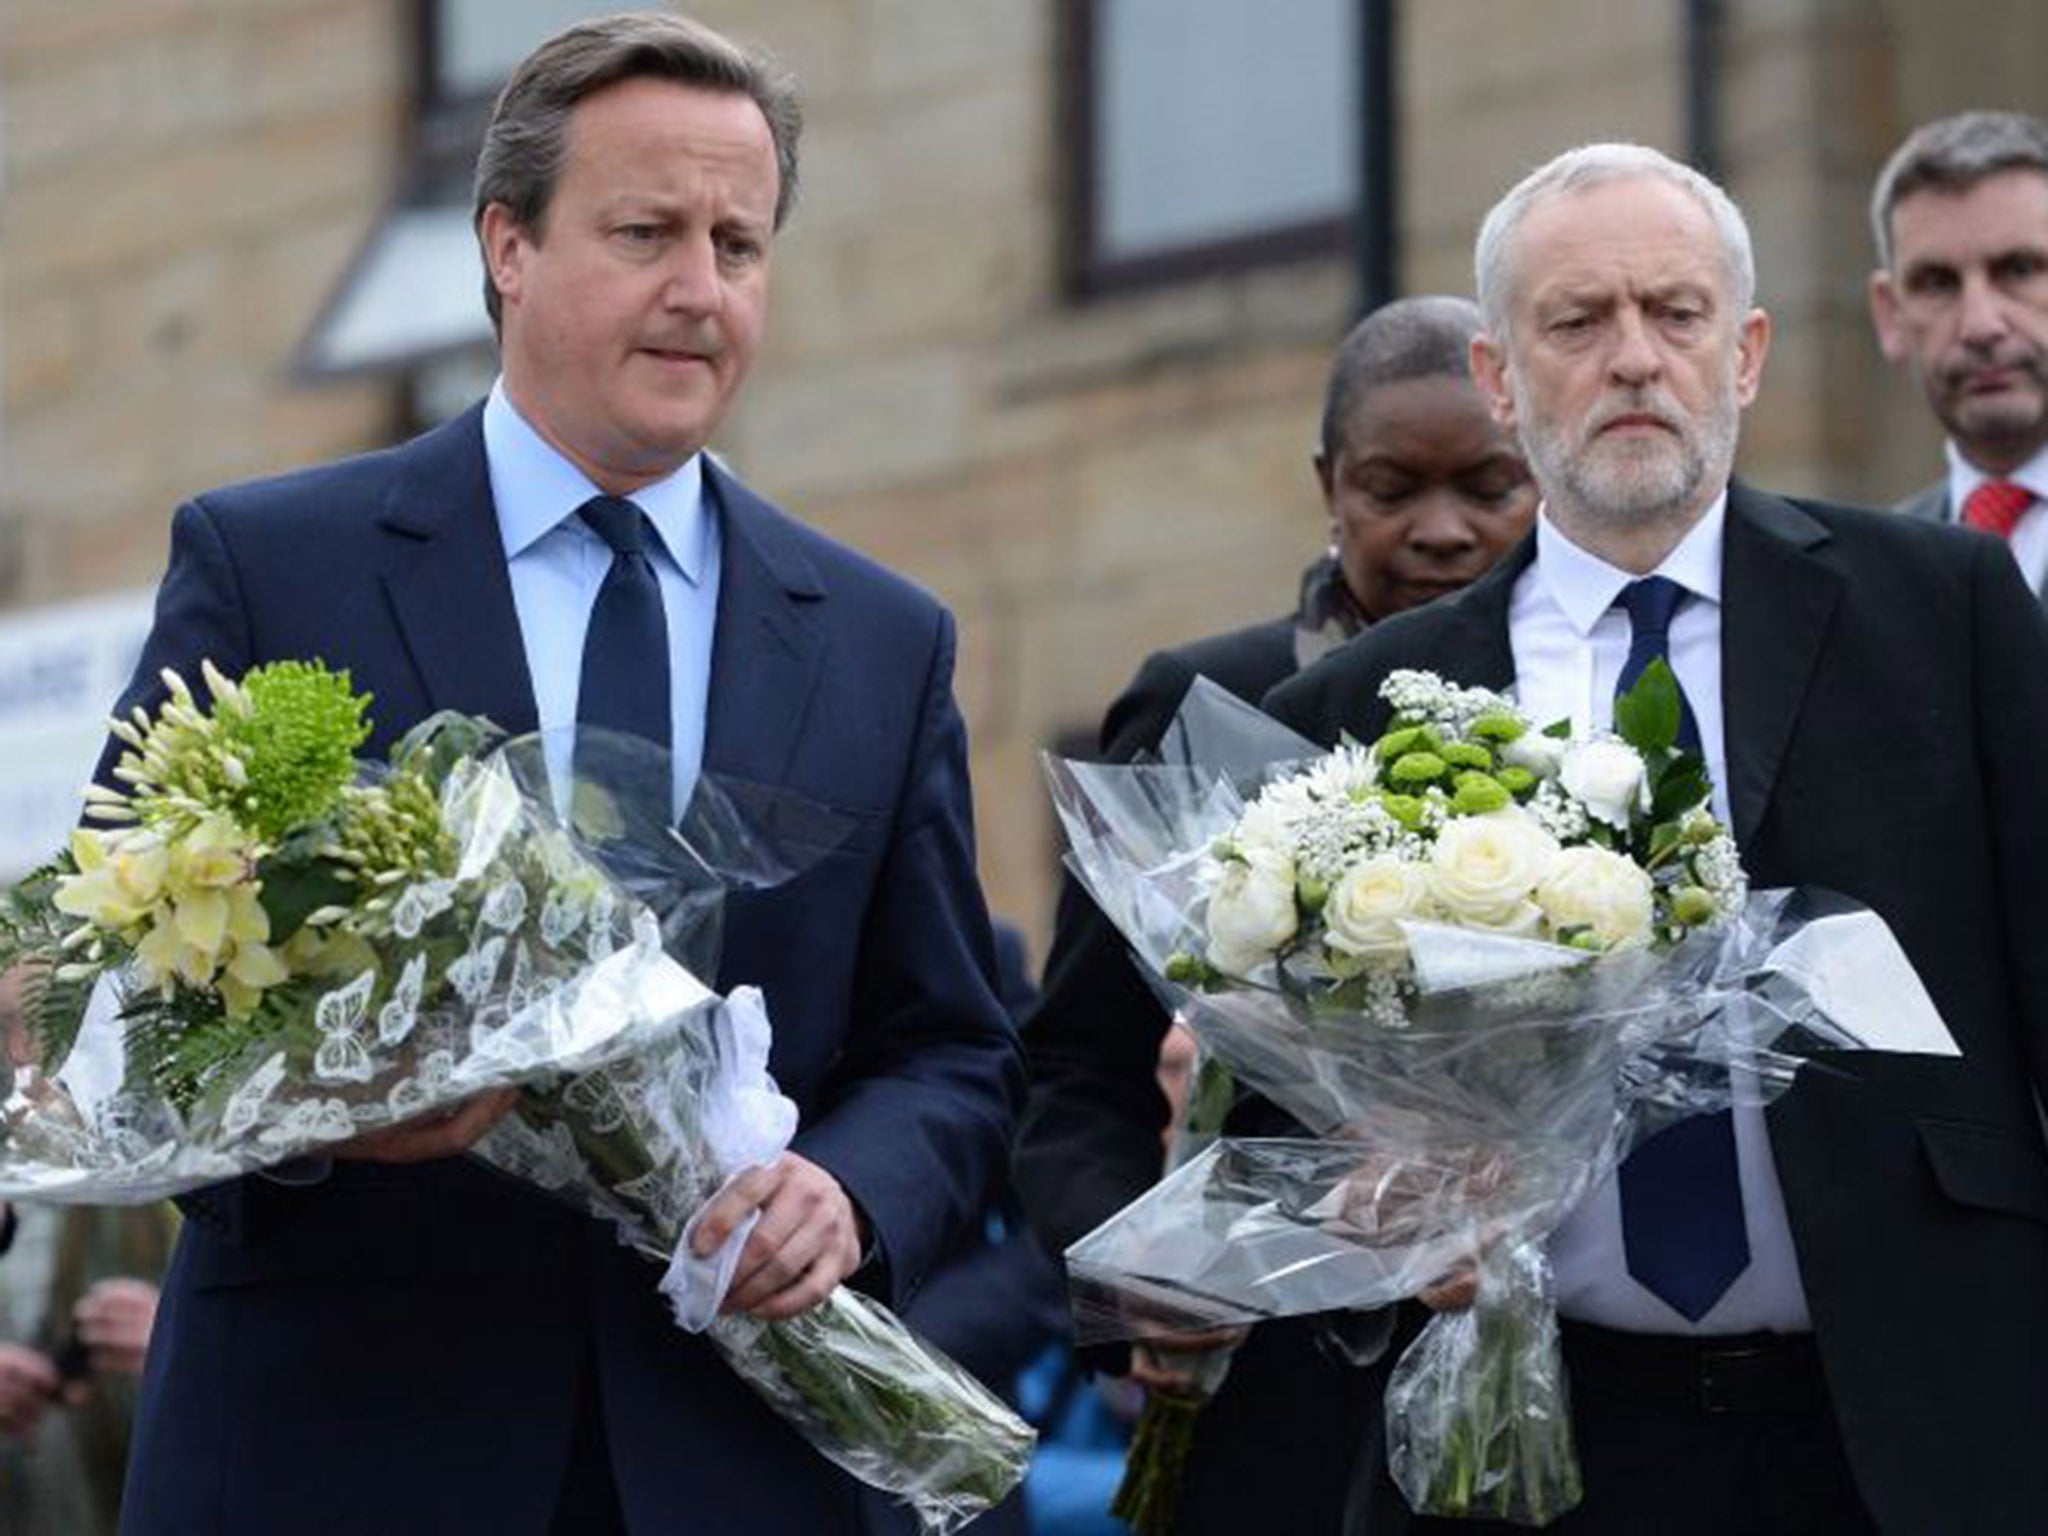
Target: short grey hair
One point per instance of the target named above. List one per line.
(1592, 165)
(1953, 154)
(1426, 336)
(528, 136)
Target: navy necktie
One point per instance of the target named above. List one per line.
(1681, 1197)
(625, 650)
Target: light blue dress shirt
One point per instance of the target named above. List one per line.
(557, 564)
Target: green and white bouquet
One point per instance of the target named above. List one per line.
(1476, 960)
(266, 948)
(1463, 813)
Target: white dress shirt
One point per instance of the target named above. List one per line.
(1570, 643)
(2029, 541)
(557, 564)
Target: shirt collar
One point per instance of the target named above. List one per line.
(1964, 477)
(1584, 586)
(537, 490)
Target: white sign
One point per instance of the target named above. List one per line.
(61, 668)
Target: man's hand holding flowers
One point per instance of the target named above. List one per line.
(808, 1237)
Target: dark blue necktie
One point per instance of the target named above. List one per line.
(1681, 1197)
(625, 650)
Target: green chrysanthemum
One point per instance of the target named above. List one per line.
(295, 739)
(273, 752)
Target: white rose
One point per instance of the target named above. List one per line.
(1251, 912)
(1538, 753)
(1606, 777)
(1594, 889)
(1361, 917)
(1483, 868)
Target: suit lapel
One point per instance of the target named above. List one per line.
(1473, 649)
(446, 578)
(1777, 600)
(769, 642)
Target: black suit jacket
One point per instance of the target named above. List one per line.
(402, 1348)
(1273, 1451)
(1885, 690)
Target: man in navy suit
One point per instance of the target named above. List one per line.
(403, 1341)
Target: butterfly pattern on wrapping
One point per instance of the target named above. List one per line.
(598, 941)
(339, 1015)
(473, 971)
(245, 1104)
(505, 907)
(562, 914)
(597, 1097)
(311, 1121)
(410, 1096)
(548, 1158)
(419, 905)
(402, 1009)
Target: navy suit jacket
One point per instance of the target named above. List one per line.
(400, 1349)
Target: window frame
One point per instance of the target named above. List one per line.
(1087, 271)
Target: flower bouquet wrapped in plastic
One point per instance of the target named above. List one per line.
(268, 948)
(1477, 962)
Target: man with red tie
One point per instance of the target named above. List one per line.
(1960, 295)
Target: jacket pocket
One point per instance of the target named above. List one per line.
(1988, 1167)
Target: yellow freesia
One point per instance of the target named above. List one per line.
(165, 958)
(253, 968)
(201, 920)
(121, 876)
(213, 855)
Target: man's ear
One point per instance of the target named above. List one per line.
(504, 245)
(1885, 306)
(1490, 373)
(1752, 346)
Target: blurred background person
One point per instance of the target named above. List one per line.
(1960, 298)
(1424, 492)
(77, 1301)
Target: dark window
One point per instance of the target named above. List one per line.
(1207, 135)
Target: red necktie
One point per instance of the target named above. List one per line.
(1996, 506)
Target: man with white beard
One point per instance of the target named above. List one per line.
(1831, 1316)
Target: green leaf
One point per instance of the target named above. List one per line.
(53, 1010)
(1647, 715)
(1679, 786)
(1211, 1097)
(1663, 838)
(297, 884)
(1560, 729)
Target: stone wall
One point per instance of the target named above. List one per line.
(184, 181)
